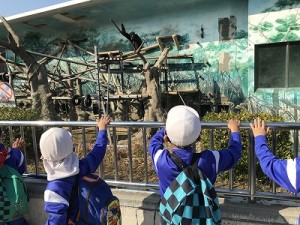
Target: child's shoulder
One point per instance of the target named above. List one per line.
(203, 154)
(15, 151)
(61, 184)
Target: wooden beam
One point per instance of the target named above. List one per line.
(175, 39)
(160, 43)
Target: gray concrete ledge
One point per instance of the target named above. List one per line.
(140, 208)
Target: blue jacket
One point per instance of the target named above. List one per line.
(59, 191)
(211, 162)
(16, 161)
(285, 172)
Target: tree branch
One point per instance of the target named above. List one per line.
(161, 58)
(11, 31)
(4, 44)
(2, 58)
(140, 55)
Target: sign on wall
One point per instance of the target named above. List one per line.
(7, 97)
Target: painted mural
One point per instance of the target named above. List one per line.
(278, 21)
(214, 34)
(211, 46)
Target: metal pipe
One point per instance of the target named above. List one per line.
(251, 193)
(34, 142)
(274, 152)
(115, 153)
(252, 170)
(145, 155)
(98, 78)
(130, 155)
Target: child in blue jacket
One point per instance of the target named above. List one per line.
(182, 130)
(14, 158)
(285, 172)
(62, 164)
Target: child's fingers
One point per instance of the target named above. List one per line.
(18, 143)
(104, 120)
(262, 123)
(254, 123)
(257, 122)
(252, 126)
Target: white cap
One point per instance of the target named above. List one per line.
(183, 125)
(59, 159)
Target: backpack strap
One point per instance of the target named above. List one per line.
(197, 174)
(74, 196)
(95, 182)
(178, 161)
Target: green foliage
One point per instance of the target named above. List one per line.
(221, 140)
(17, 114)
(281, 4)
(282, 28)
(11, 113)
(263, 27)
(276, 37)
(241, 34)
(292, 37)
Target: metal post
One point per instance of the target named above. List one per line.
(212, 143)
(35, 147)
(296, 143)
(98, 77)
(115, 148)
(251, 168)
(274, 152)
(107, 94)
(130, 155)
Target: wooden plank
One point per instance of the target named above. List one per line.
(175, 39)
(160, 43)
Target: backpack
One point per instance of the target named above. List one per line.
(190, 198)
(97, 204)
(13, 195)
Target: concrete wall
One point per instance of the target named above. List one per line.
(140, 208)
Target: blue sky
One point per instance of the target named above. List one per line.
(12, 7)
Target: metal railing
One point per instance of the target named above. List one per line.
(81, 128)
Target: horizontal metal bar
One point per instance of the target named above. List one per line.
(251, 193)
(210, 125)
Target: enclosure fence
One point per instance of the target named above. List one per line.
(31, 131)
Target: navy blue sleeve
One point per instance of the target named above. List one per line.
(156, 146)
(283, 171)
(92, 160)
(56, 200)
(229, 157)
(16, 160)
(211, 163)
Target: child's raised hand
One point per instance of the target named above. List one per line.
(18, 143)
(233, 125)
(258, 127)
(103, 122)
